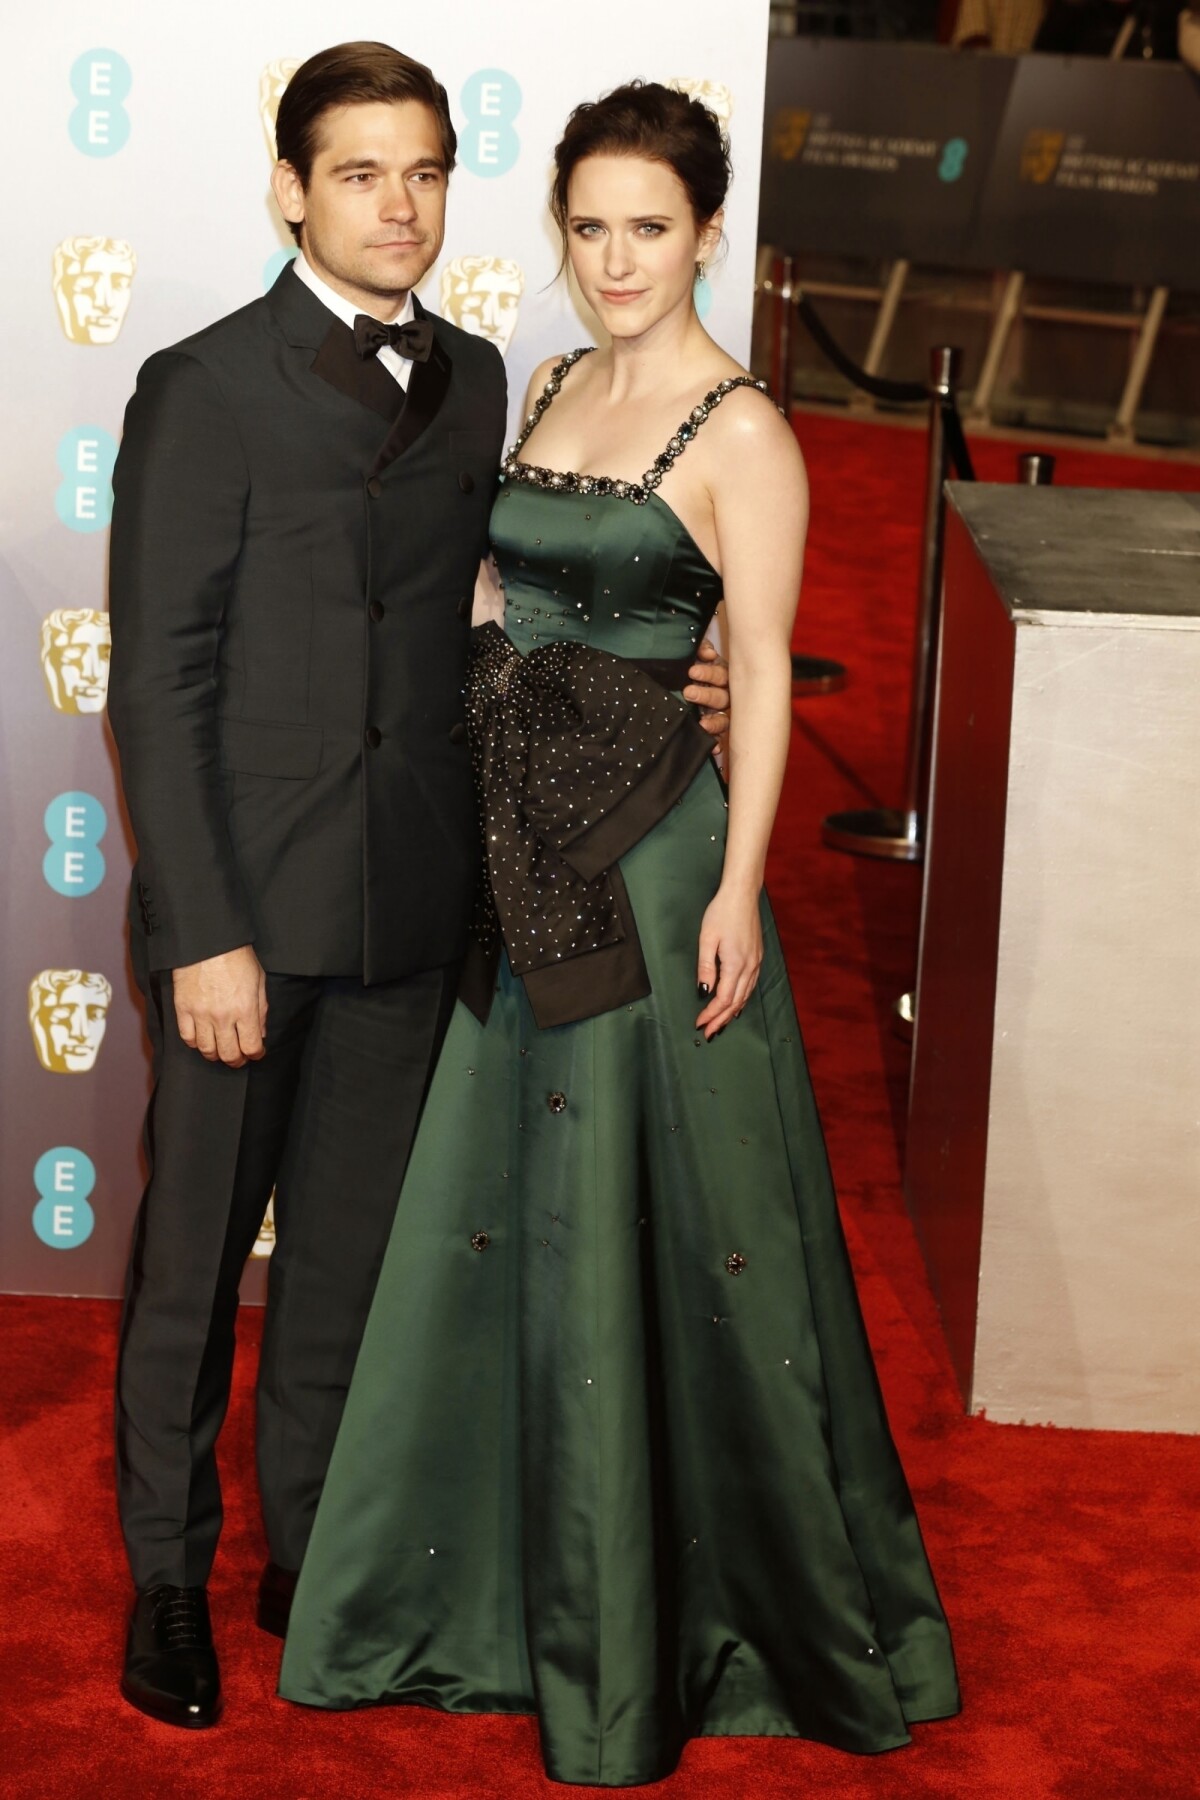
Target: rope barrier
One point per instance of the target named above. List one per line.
(902, 393)
(956, 441)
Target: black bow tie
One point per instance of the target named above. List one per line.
(414, 340)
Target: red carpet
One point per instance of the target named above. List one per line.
(1067, 1560)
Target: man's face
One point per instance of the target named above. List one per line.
(482, 296)
(97, 293)
(69, 1028)
(374, 212)
(77, 662)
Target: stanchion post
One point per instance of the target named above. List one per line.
(945, 364)
(883, 831)
(781, 375)
(1035, 468)
(811, 675)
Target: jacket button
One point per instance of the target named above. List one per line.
(374, 736)
(375, 611)
(556, 1102)
(458, 732)
(466, 482)
(480, 1240)
(464, 608)
(374, 487)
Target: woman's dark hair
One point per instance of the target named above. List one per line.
(350, 75)
(643, 118)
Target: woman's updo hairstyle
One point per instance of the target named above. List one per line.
(644, 118)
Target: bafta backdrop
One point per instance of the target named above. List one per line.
(152, 133)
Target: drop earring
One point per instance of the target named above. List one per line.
(700, 275)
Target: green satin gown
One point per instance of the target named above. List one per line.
(615, 1453)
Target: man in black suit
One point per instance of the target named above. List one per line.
(302, 498)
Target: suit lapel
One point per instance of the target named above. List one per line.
(360, 378)
(305, 323)
(427, 387)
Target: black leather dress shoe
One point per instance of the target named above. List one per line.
(170, 1664)
(275, 1589)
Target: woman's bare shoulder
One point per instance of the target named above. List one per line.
(748, 423)
(540, 376)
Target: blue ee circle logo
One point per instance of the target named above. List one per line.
(488, 144)
(954, 157)
(84, 498)
(62, 1217)
(74, 863)
(100, 81)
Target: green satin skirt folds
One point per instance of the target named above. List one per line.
(615, 1453)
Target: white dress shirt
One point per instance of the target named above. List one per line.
(396, 365)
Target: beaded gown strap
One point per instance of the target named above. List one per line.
(567, 480)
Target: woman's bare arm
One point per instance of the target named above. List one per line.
(761, 513)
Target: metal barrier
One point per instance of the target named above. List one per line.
(898, 834)
(1035, 468)
(810, 674)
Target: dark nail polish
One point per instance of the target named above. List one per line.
(703, 990)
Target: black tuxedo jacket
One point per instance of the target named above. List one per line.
(294, 548)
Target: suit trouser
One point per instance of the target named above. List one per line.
(327, 1119)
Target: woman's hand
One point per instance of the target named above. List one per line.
(731, 953)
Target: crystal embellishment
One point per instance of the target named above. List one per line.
(568, 481)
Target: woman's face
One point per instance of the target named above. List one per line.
(633, 242)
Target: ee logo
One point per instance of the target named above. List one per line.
(84, 498)
(74, 863)
(954, 156)
(100, 81)
(489, 144)
(62, 1217)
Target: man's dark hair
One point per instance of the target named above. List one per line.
(350, 75)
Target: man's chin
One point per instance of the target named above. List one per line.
(386, 271)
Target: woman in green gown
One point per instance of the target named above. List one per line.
(615, 1453)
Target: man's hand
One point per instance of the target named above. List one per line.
(221, 1007)
(710, 690)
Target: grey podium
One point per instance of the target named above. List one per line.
(1053, 1164)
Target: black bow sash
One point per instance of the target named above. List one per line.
(577, 755)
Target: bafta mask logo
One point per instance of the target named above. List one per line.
(76, 650)
(68, 1014)
(1040, 155)
(264, 1243)
(271, 84)
(93, 277)
(789, 133)
(483, 294)
(713, 94)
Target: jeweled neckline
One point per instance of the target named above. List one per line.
(569, 481)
